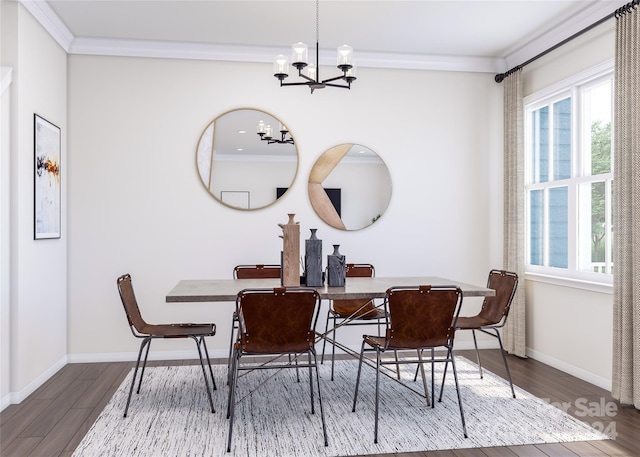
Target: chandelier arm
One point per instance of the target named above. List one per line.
(333, 79)
(337, 85)
(295, 84)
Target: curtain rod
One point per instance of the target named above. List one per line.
(617, 13)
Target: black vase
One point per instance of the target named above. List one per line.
(313, 260)
(336, 263)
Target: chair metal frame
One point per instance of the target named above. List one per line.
(263, 340)
(418, 337)
(148, 332)
(360, 270)
(493, 315)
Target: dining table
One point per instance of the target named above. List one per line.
(225, 290)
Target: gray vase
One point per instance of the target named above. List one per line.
(336, 263)
(313, 260)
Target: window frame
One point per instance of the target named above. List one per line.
(572, 87)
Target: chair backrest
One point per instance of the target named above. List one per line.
(496, 309)
(128, 297)
(256, 271)
(278, 320)
(422, 316)
(348, 307)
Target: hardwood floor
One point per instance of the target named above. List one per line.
(53, 420)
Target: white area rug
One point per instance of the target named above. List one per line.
(171, 416)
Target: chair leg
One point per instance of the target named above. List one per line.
(313, 411)
(375, 433)
(333, 346)
(355, 393)
(475, 343)
(234, 326)
(424, 378)
(506, 365)
(455, 377)
(324, 424)
(326, 331)
(206, 352)
(145, 342)
(144, 364)
(232, 395)
(295, 359)
(200, 341)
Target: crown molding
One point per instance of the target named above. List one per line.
(43, 13)
(579, 21)
(264, 54)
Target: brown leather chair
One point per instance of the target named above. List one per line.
(147, 332)
(274, 322)
(257, 271)
(420, 317)
(352, 311)
(493, 314)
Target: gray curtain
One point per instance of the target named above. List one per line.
(626, 210)
(513, 258)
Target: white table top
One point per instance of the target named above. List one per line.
(224, 290)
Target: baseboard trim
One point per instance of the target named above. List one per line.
(570, 369)
(18, 397)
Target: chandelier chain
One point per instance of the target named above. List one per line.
(317, 21)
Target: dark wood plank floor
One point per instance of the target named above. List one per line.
(53, 420)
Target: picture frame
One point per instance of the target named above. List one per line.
(236, 198)
(47, 179)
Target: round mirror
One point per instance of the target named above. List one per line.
(246, 159)
(349, 187)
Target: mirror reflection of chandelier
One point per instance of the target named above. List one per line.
(266, 134)
(299, 59)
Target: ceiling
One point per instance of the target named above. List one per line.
(476, 35)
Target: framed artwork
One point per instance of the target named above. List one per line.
(237, 199)
(46, 154)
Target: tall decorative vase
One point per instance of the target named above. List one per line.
(290, 253)
(313, 260)
(336, 263)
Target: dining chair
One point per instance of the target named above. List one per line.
(255, 271)
(148, 332)
(275, 322)
(420, 317)
(352, 311)
(493, 314)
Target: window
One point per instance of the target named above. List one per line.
(569, 179)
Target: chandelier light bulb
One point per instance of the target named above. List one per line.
(345, 56)
(268, 132)
(260, 127)
(299, 54)
(311, 71)
(281, 67)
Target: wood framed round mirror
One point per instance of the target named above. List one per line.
(349, 186)
(241, 168)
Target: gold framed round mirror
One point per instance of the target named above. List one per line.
(349, 186)
(244, 168)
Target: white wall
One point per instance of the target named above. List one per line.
(568, 327)
(38, 269)
(137, 205)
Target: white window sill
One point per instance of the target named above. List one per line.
(601, 287)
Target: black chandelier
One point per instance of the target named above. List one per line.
(299, 59)
(265, 132)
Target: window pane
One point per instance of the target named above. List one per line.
(536, 227)
(558, 227)
(540, 145)
(597, 111)
(562, 139)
